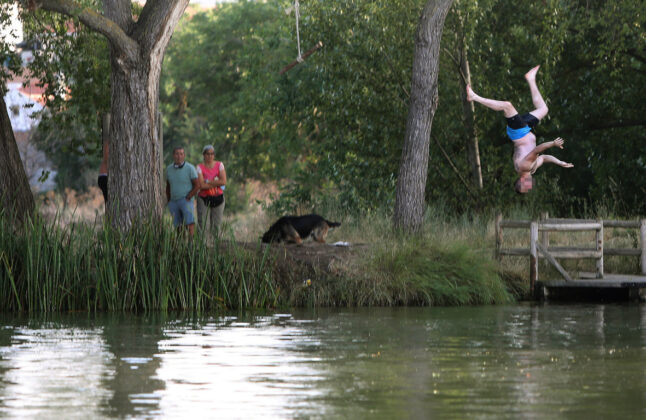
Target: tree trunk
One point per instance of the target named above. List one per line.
(473, 151)
(15, 193)
(135, 159)
(413, 169)
(137, 52)
(134, 162)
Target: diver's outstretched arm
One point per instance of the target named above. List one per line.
(552, 159)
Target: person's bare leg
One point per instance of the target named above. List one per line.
(541, 107)
(504, 106)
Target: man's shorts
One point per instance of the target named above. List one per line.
(519, 125)
(182, 211)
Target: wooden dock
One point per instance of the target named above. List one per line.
(599, 280)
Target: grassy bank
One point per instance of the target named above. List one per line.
(51, 266)
(450, 263)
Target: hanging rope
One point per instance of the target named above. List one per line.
(298, 37)
(301, 57)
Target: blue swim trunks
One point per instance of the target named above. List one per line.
(182, 211)
(515, 134)
(519, 125)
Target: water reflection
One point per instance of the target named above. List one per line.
(131, 372)
(523, 361)
(51, 370)
(264, 366)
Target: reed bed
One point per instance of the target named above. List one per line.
(48, 268)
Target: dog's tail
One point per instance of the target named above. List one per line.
(332, 224)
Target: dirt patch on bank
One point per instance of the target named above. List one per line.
(310, 258)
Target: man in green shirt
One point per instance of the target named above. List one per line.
(181, 186)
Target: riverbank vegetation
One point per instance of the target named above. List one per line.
(49, 266)
(46, 267)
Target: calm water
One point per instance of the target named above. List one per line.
(552, 361)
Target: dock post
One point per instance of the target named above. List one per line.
(498, 236)
(533, 257)
(545, 235)
(600, 248)
(642, 234)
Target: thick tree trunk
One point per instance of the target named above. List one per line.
(135, 161)
(473, 151)
(413, 169)
(135, 157)
(15, 193)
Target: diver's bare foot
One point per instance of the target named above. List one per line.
(531, 75)
(470, 94)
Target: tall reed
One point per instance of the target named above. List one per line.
(46, 268)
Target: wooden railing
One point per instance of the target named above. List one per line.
(539, 242)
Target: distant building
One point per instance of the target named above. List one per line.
(23, 112)
(22, 106)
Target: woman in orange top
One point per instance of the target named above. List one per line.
(212, 178)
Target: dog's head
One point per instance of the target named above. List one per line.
(271, 236)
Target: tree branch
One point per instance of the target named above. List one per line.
(120, 12)
(392, 68)
(455, 169)
(157, 22)
(97, 22)
(451, 56)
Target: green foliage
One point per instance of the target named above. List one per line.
(219, 86)
(341, 114)
(9, 60)
(74, 69)
(600, 106)
(322, 124)
(331, 129)
(362, 80)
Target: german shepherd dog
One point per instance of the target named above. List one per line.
(296, 228)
